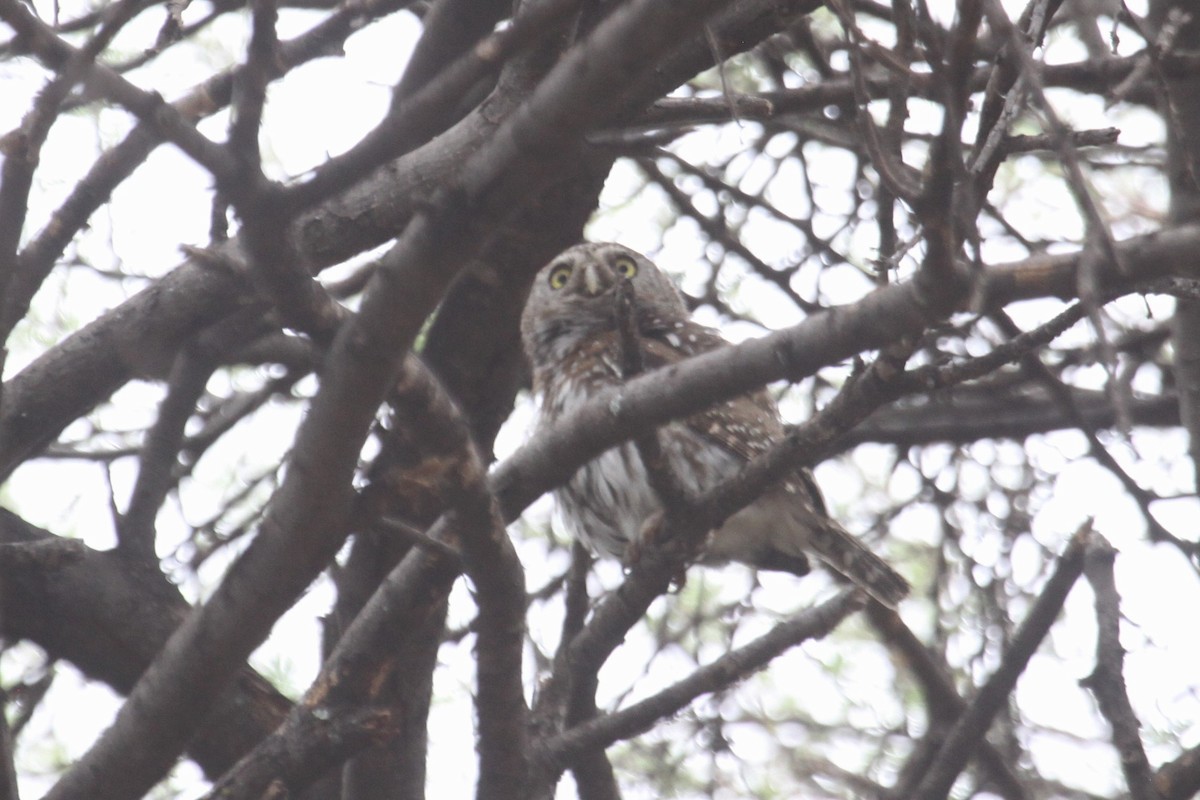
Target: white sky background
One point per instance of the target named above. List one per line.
(321, 109)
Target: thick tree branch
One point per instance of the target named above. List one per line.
(109, 617)
(970, 412)
(405, 609)
(417, 117)
(1180, 778)
(1160, 254)
(306, 747)
(8, 772)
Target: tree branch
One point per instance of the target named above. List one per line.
(974, 722)
(1107, 681)
(308, 745)
(160, 455)
(109, 617)
(814, 623)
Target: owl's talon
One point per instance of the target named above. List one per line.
(678, 580)
(651, 529)
(653, 533)
(632, 555)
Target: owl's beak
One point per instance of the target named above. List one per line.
(595, 279)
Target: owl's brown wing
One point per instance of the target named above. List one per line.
(749, 426)
(746, 426)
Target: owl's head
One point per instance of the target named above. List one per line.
(574, 298)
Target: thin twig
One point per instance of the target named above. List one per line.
(722, 673)
(1107, 681)
(973, 724)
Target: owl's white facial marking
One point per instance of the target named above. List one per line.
(595, 280)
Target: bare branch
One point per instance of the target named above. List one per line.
(1107, 681)
(727, 670)
(307, 746)
(974, 722)
(159, 457)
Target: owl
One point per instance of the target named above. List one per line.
(571, 334)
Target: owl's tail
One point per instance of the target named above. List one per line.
(846, 555)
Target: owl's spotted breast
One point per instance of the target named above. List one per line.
(607, 501)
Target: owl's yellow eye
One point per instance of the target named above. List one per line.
(625, 266)
(559, 276)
